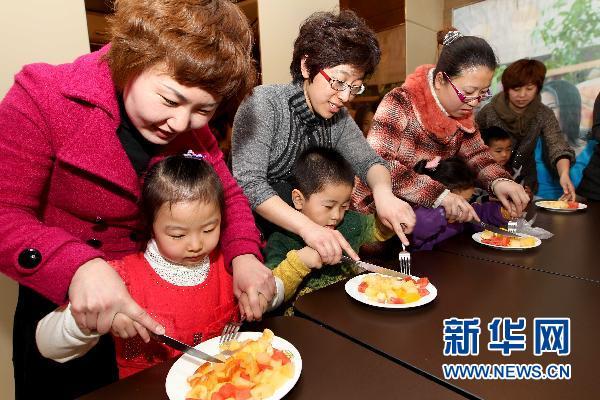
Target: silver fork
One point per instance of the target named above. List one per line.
(404, 258)
(230, 332)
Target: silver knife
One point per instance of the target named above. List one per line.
(374, 268)
(177, 345)
(494, 229)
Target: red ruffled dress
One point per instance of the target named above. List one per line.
(186, 312)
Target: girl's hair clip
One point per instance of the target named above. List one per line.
(433, 164)
(195, 156)
(451, 36)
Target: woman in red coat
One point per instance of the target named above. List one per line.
(75, 140)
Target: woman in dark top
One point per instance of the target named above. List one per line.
(519, 111)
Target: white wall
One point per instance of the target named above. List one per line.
(32, 31)
(279, 23)
(423, 19)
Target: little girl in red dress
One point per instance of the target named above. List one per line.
(180, 278)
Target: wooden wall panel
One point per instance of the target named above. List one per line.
(100, 6)
(379, 14)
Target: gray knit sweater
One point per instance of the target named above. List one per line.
(274, 125)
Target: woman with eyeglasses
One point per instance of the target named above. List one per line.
(431, 115)
(333, 54)
(519, 111)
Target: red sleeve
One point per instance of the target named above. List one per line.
(239, 234)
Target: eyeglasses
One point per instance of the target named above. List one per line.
(341, 86)
(468, 99)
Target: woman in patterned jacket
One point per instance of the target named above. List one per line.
(432, 115)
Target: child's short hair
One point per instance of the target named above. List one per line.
(180, 178)
(453, 173)
(319, 166)
(494, 133)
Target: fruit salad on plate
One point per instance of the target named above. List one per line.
(558, 204)
(254, 371)
(392, 290)
(496, 239)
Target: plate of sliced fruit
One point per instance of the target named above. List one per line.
(391, 292)
(560, 205)
(262, 366)
(502, 242)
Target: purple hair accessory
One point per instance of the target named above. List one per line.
(195, 156)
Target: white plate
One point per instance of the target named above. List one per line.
(177, 385)
(477, 237)
(352, 289)
(540, 204)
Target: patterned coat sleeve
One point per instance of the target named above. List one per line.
(394, 136)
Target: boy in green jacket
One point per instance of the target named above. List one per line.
(323, 181)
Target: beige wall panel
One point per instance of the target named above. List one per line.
(391, 69)
(421, 46)
(279, 21)
(32, 31)
(8, 301)
(424, 18)
(39, 30)
(428, 13)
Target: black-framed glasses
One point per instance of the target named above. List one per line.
(341, 86)
(468, 99)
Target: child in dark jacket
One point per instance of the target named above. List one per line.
(501, 147)
(432, 226)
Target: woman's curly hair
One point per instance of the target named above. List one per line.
(327, 39)
(199, 43)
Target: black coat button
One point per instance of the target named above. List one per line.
(30, 258)
(95, 243)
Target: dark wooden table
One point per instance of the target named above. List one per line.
(572, 251)
(333, 368)
(468, 288)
